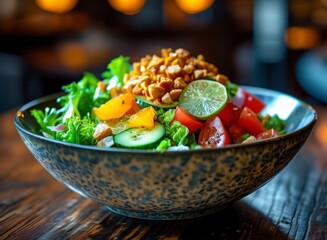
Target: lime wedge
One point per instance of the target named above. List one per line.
(203, 98)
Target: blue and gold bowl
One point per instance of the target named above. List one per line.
(170, 185)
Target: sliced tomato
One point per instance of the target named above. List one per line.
(236, 132)
(213, 134)
(252, 102)
(229, 114)
(267, 134)
(249, 121)
(187, 120)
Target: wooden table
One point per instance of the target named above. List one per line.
(33, 205)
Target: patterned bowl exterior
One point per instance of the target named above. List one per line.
(167, 185)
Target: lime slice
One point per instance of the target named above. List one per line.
(203, 98)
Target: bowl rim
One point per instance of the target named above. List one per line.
(268, 92)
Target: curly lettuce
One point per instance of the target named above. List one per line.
(176, 133)
(74, 121)
(78, 131)
(46, 118)
(78, 101)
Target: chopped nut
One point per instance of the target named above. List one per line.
(157, 101)
(155, 64)
(182, 53)
(174, 71)
(165, 52)
(167, 98)
(179, 62)
(168, 61)
(188, 78)
(200, 73)
(162, 71)
(166, 83)
(155, 91)
(174, 94)
(142, 69)
(249, 140)
(222, 79)
(162, 68)
(126, 78)
(102, 130)
(188, 69)
(137, 67)
(106, 142)
(138, 89)
(179, 83)
(173, 54)
(200, 58)
(145, 84)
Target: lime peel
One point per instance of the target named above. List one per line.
(203, 98)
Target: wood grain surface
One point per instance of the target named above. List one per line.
(33, 205)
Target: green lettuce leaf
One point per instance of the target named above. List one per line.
(116, 69)
(231, 89)
(78, 131)
(175, 131)
(78, 102)
(276, 123)
(165, 144)
(178, 133)
(46, 118)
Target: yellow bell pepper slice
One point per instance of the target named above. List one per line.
(116, 107)
(143, 118)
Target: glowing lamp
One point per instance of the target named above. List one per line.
(57, 6)
(128, 7)
(302, 37)
(194, 6)
(73, 56)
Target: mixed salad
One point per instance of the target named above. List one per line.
(170, 102)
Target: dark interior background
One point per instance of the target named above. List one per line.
(254, 42)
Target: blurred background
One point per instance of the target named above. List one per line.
(275, 44)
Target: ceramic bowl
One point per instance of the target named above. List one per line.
(170, 185)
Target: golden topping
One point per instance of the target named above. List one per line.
(162, 78)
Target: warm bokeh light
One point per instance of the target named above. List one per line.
(57, 6)
(302, 37)
(194, 6)
(319, 16)
(321, 133)
(174, 17)
(73, 56)
(128, 7)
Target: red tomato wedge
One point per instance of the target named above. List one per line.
(236, 132)
(270, 133)
(187, 120)
(252, 102)
(213, 134)
(249, 121)
(229, 114)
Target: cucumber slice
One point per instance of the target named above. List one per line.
(143, 102)
(140, 138)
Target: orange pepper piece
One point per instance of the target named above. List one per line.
(116, 107)
(143, 118)
(116, 91)
(134, 109)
